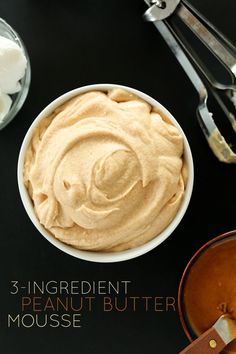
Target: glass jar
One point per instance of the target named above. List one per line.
(19, 97)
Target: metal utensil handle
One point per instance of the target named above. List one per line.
(208, 343)
(214, 45)
(210, 25)
(182, 58)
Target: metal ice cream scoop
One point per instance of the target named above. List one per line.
(161, 13)
(215, 339)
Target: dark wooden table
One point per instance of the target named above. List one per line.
(74, 43)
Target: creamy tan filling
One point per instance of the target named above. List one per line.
(104, 171)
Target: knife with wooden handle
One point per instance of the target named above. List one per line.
(215, 339)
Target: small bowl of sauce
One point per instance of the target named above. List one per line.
(208, 287)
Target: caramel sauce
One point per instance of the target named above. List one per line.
(210, 287)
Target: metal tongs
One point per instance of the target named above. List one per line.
(159, 12)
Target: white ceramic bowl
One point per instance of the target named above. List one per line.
(103, 256)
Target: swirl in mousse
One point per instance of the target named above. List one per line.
(105, 171)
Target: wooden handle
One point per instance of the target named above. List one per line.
(208, 343)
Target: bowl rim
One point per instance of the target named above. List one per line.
(21, 95)
(197, 254)
(104, 257)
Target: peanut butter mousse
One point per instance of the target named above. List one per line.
(105, 171)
